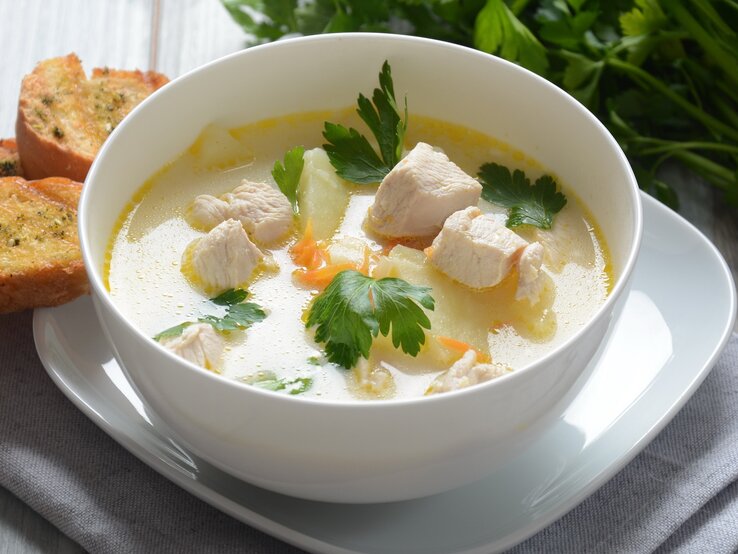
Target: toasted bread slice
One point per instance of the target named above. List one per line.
(64, 117)
(40, 261)
(9, 159)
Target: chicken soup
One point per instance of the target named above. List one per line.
(357, 254)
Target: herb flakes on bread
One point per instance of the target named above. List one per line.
(40, 260)
(9, 160)
(64, 117)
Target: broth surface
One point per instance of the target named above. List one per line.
(145, 279)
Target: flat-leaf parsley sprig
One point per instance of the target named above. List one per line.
(528, 204)
(239, 315)
(354, 309)
(349, 151)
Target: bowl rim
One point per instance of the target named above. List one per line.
(99, 290)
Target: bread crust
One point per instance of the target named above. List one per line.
(64, 117)
(46, 269)
(44, 157)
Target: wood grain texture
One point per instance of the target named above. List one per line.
(194, 32)
(102, 32)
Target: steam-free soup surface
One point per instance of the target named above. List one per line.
(147, 281)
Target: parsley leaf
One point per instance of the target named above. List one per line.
(239, 315)
(293, 386)
(352, 156)
(350, 152)
(646, 17)
(383, 118)
(268, 380)
(230, 297)
(498, 31)
(172, 331)
(287, 176)
(529, 205)
(355, 308)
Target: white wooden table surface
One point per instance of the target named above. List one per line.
(174, 36)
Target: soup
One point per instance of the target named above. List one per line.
(411, 278)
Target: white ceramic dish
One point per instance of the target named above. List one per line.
(360, 451)
(676, 320)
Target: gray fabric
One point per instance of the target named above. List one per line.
(679, 495)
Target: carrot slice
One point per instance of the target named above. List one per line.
(460, 346)
(307, 252)
(321, 277)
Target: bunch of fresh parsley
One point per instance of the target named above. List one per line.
(662, 75)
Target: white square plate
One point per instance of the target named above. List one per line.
(677, 318)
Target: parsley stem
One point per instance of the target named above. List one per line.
(645, 78)
(732, 4)
(702, 36)
(655, 39)
(726, 110)
(716, 173)
(670, 145)
(727, 90)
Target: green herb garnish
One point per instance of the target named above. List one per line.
(239, 315)
(349, 151)
(293, 386)
(230, 297)
(268, 380)
(528, 204)
(498, 30)
(354, 308)
(173, 331)
(287, 176)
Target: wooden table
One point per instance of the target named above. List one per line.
(174, 36)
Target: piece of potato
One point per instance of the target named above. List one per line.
(322, 195)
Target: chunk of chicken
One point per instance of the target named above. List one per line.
(199, 344)
(530, 283)
(420, 192)
(465, 372)
(225, 258)
(208, 211)
(475, 249)
(264, 212)
(374, 380)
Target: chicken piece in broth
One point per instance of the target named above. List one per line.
(465, 372)
(198, 344)
(224, 258)
(478, 251)
(420, 192)
(264, 212)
